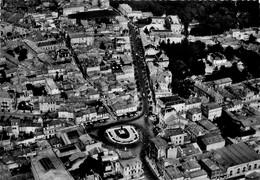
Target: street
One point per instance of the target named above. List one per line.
(142, 122)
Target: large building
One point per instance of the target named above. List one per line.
(237, 159)
(6, 101)
(46, 166)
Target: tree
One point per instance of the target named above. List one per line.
(252, 38)
(102, 46)
(57, 76)
(11, 52)
(63, 95)
(23, 54)
(229, 53)
(146, 31)
(9, 34)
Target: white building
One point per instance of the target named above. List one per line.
(125, 9)
(51, 86)
(73, 9)
(81, 38)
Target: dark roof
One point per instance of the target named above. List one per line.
(211, 138)
(236, 154)
(171, 100)
(47, 43)
(159, 142)
(93, 14)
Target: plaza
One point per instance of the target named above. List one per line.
(126, 134)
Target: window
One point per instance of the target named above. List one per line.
(244, 169)
(238, 170)
(249, 167)
(231, 173)
(255, 166)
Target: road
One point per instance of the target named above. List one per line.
(142, 121)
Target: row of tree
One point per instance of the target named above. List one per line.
(186, 59)
(214, 17)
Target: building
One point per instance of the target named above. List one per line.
(46, 166)
(203, 90)
(217, 59)
(174, 102)
(73, 9)
(81, 38)
(194, 114)
(237, 159)
(50, 103)
(125, 9)
(131, 166)
(209, 126)
(212, 169)
(211, 110)
(51, 128)
(158, 20)
(222, 82)
(51, 45)
(175, 136)
(157, 148)
(211, 141)
(6, 101)
(51, 86)
(174, 24)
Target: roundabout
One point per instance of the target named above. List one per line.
(125, 134)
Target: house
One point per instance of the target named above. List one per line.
(211, 141)
(158, 20)
(188, 150)
(6, 101)
(195, 131)
(222, 82)
(52, 127)
(190, 166)
(212, 169)
(174, 136)
(217, 59)
(50, 103)
(157, 148)
(209, 126)
(194, 114)
(175, 102)
(203, 90)
(81, 38)
(123, 107)
(172, 173)
(174, 24)
(211, 110)
(131, 166)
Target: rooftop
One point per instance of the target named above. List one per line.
(211, 138)
(171, 100)
(235, 154)
(159, 142)
(47, 166)
(93, 14)
(210, 164)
